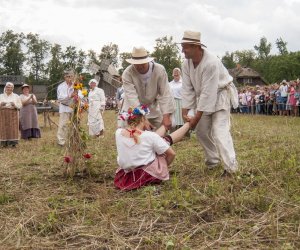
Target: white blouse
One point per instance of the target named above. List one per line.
(11, 98)
(132, 155)
(176, 88)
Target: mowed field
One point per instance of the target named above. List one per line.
(258, 208)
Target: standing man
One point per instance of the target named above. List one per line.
(146, 82)
(65, 93)
(208, 87)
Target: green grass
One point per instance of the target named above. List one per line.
(258, 208)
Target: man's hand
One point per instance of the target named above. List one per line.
(167, 121)
(147, 125)
(184, 115)
(195, 119)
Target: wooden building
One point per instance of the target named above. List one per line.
(244, 76)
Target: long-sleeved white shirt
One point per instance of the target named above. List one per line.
(156, 93)
(204, 86)
(64, 92)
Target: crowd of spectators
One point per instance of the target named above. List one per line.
(275, 99)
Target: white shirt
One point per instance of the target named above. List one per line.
(176, 88)
(132, 155)
(64, 92)
(204, 87)
(146, 77)
(283, 90)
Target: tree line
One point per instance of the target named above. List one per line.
(273, 68)
(43, 63)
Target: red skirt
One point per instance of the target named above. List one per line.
(134, 179)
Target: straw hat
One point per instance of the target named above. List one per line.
(139, 55)
(24, 85)
(191, 37)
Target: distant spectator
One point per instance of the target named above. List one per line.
(283, 97)
(28, 115)
(10, 103)
(176, 86)
(96, 108)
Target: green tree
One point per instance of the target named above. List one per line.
(166, 53)
(55, 69)
(244, 57)
(124, 64)
(110, 52)
(12, 56)
(92, 58)
(81, 61)
(263, 49)
(37, 53)
(70, 57)
(228, 60)
(281, 45)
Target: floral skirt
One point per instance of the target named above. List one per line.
(153, 173)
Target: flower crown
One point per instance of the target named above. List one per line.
(132, 113)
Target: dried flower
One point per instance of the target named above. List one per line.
(67, 159)
(87, 156)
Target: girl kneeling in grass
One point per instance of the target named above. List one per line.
(143, 156)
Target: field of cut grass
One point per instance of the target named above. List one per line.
(258, 208)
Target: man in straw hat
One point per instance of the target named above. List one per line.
(146, 82)
(208, 88)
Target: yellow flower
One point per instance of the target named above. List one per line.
(84, 92)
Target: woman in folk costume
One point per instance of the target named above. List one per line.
(143, 156)
(10, 103)
(96, 107)
(176, 86)
(28, 115)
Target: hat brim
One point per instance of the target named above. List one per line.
(24, 86)
(139, 61)
(192, 42)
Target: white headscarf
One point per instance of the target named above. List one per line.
(8, 84)
(95, 81)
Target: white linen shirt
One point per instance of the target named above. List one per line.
(204, 87)
(155, 93)
(132, 155)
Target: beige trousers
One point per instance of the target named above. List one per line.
(213, 133)
(62, 131)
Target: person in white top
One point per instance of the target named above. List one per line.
(10, 103)
(96, 109)
(176, 86)
(65, 94)
(207, 87)
(143, 156)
